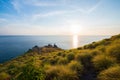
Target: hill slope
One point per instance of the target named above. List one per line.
(95, 61)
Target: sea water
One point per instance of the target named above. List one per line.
(13, 46)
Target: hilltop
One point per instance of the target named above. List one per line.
(96, 61)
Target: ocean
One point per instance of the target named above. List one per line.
(13, 46)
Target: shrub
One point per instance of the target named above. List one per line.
(114, 51)
(52, 61)
(112, 73)
(78, 57)
(13, 68)
(62, 61)
(30, 72)
(61, 54)
(76, 66)
(42, 57)
(4, 76)
(60, 73)
(84, 58)
(115, 37)
(102, 62)
(95, 52)
(70, 56)
(101, 48)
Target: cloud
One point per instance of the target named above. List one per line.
(73, 10)
(3, 20)
(40, 3)
(89, 10)
(94, 7)
(20, 4)
(17, 5)
(53, 13)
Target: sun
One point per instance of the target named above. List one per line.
(75, 26)
(75, 29)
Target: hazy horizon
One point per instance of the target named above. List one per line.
(59, 17)
(54, 35)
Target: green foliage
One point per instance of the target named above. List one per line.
(53, 61)
(61, 54)
(4, 76)
(30, 72)
(114, 51)
(13, 69)
(96, 44)
(84, 58)
(102, 62)
(112, 73)
(101, 48)
(76, 66)
(60, 73)
(70, 56)
(62, 61)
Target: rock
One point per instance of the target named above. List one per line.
(55, 46)
(45, 49)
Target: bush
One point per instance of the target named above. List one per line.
(112, 73)
(61, 54)
(60, 73)
(4, 76)
(114, 51)
(30, 72)
(78, 57)
(62, 61)
(53, 61)
(102, 62)
(84, 58)
(12, 69)
(76, 66)
(70, 56)
(95, 52)
(101, 48)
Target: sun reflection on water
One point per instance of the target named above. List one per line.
(75, 41)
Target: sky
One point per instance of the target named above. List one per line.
(59, 17)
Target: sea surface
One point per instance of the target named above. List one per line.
(13, 46)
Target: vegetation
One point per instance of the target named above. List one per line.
(96, 61)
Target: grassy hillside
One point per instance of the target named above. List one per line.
(95, 61)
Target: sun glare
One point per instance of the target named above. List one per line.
(75, 28)
(75, 31)
(75, 41)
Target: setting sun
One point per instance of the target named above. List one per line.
(75, 30)
(75, 27)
